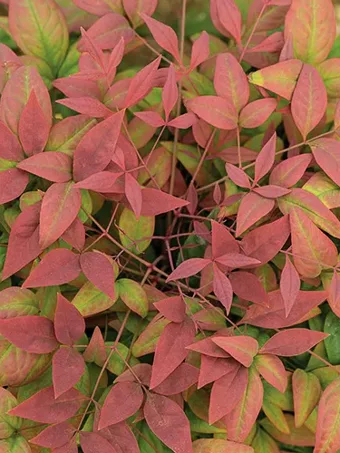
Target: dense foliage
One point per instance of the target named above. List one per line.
(169, 227)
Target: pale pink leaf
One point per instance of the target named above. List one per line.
(188, 268)
(215, 110)
(257, 112)
(53, 166)
(163, 35)
(265, 159)
(170, 92)
(200, 50)
(238, 176)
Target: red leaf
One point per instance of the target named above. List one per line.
(200, 50)
(222, 240)
(75, 235)
(265, 159)
(179, 380)
(123, 401)
(192, 197)
(60, 207)
(230, 17)
(232, 384)
(170, 92)
(257, 112)
(334, 294)
(160, 413)
(289, 285)
(266, 241)
(58, 267)
(95, 443)
(183, 121)
(121, 438)
(33, 334)
(292, 342)
(163, 35)
(53, 166)
(153, 119)
(156, 202)
(34, 126)
(213, 368)
(10, 148)
(23, 244)
(42, 407)
(96, 351)
(13, 182)
(215, 110)
(231, 81)
(172, 308)
(208, 347)
(241, 347)
(171, 350)
(272, 370)
(69, 325)
(326, 154)
(248, 287)
(95, 150)
(142, 83)
(234, 260)
(98, 269)
(222, 288)
(103, 181)
(87, 105)
(252, 208)
(271, 192)
(54, 436)
(238, 176)
(188, 268)
(70, 360)
(290, 171)
(133, 192)
(309, 100)
(70, 447)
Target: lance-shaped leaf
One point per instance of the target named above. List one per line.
(234, 383)
(234, 260)
(188, 268)
(200, 50)
(273, 43)
(312, 28)
(257, 112)
(153, 119)
(134, 9)
(271, 192)
(222, 240)
(228, 18)
(265, 159)
(87, 106)
(328, 432)
(334, 294)
(248, 286)
(252, 208)
(98, 268)
(58, 267)
(179, 380)
(123, 401)
(23, 245)
(288, 172)
(163, 35)
(272, 370)
(309, 100)
(96, 351)
(312, 249)
(95, 150)
(99, 7)
(242, 348)
(222, 288)
(161, 412)
(103, 181)
(55, 436)
(306, 393)
(156, 202)
(292, 342)
(171, 350)
(280, 78)
(75, 235)
(213, 368)
(10, 148)
(218, 445)
(265, 242)
(66, 359)
(172, 308)
(208, 347)
(13, 182)
(215, 110)
(241, 419)
(289, 285)
(95, 443)
(133, 192)
(121, 437)
(230, 80)
(326, 154)
(69, 325)
(40, 29)
(170, 92)
(53, 166)
(33, 334)
(238, 176)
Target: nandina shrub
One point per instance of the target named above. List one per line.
(169, 217)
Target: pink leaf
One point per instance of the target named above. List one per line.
(54, 436)
(326, 154)
(179, 380)
(60, 207)
(91, 47)
(66, 359)
(273, 43)
(163, 35)
(95, 150)
(252, 208)
(289, 285)
(58, 267)
(75, 235)
(10, 148)
(53, 166)
(200, 50)
(241, 347)
(95, 443)
(248, 287)
(272, 192)
(234, 383)
(222, 288)
(156, 202)
(172, 308)
(238, 176)
(272, 370)
(87, 106)
(96, 351)
(209, 348)
(116, 57)
(123, 401)
(171, 350)
(98, 269)
(288, 172)
(292, 342)
(134, 8)
(161, 412)
(121, 438)
(153, 119)
(222, 240)
(257, 112)
(13, 182)
(141, 84)
(103, 181)
(133, 192)
(230, 18)
(334, 294)
(183, 121)
(170, 92)
(69, 325)
(188, 268)
(265, 159)
(215, 110)
(309, 100)
(42, 407)
(33, 334)
(213, 368)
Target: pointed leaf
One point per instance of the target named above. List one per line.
(289, 285)
(163, 35)
(98, 268)
(156, 202)
(213, 368)
(200, 50)
(230, 17)
(288, 172)
(53, 166)
(215, 110)
(172, 308)
(257, 112)
(222, 288)
(238, 176)
(170, 92)
(252, 208)
(326, 154)
(222, 240)
(188, 268)
(272, 370)
(134, 9)
(265, 159)
(153, 119)
(234, 260)
(87, 106)
(241, 347)
(69, 325)
(179, 380)
(10, 148)
(334, 294)
(247, 286)
(54, 436)
(66, 359)
(306, 392)
(95, 443)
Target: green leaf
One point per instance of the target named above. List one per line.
(71, 62)
(15, 445)
(147, 340)
(332, 343)
(133, 295)
(8, 423)
(39, 28)
(116, 363)
(18, 302)
(135, 234)
(90, 300)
